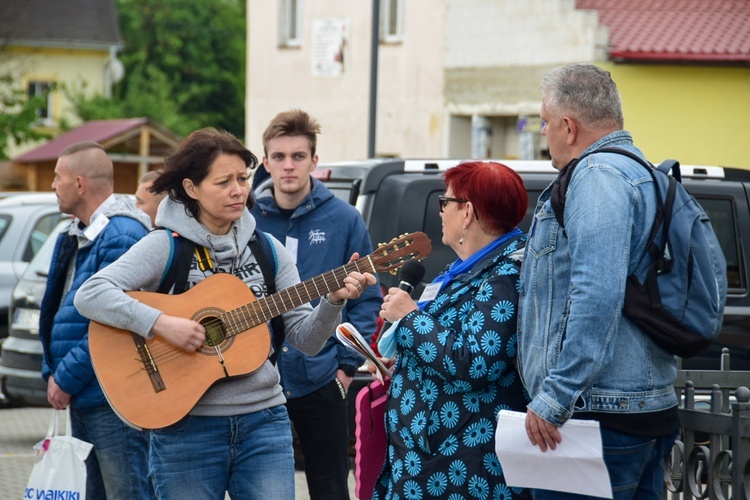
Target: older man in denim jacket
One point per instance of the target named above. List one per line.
(579, 356)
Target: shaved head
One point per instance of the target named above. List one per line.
(84, 178)
(89, 160)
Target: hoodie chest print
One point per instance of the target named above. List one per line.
(316, 236)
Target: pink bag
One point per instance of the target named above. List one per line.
(370, 436)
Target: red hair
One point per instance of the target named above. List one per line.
(496, 191)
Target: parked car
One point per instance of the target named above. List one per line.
(21, 355)
(26, 219)
(398, 196)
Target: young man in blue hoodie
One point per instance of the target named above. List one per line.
(321, 232)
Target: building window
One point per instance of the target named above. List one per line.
(43, 90)
(391, 21)
(289, 23)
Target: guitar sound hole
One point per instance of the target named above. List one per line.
(215, 332)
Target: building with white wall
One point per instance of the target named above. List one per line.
(459, 78)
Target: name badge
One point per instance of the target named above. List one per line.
(430, 292)
(96, 227)
(291, 247)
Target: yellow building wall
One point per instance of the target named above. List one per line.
(77, 70)
(699, 115)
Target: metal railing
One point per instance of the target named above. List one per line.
(711, 458)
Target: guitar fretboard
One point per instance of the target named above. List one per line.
(245, 317)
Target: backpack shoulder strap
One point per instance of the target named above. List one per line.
(560, 189)
(178, 265)
(560, 186)
(671, 165)
(263, 252)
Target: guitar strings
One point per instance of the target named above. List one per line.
(250, 315)
(241, 319)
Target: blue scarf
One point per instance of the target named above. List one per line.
(459, 266)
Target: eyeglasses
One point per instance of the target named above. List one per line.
(443, 200)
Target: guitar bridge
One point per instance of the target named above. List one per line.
(149, 363)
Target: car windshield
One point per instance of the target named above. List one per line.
(39, 265)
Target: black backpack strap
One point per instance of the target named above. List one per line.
(261, 249)
(560, 189)
(178, 266)
(560, 186)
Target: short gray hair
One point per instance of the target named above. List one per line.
(585, 92)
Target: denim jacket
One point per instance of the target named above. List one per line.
(577, 352)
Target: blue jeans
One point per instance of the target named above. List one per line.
(117, 467)
(201, 458)
(635, 465)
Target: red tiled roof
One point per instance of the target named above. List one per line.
(98, 131)
(675, 30)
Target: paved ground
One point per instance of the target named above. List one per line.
(21, 429)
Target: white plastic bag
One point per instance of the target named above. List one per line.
(61, 471)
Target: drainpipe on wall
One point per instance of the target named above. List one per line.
(375, 40)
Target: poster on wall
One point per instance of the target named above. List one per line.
(329, 47)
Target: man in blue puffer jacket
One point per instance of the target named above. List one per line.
(105, 226)
(321, 232)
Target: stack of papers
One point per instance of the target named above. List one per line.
(575, 466)
(351, 338)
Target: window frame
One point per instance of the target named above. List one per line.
(387, 8)
(43, 227)
(39, 87)
(290, 23)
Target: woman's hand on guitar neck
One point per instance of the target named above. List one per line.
(354, 284)
(184, 333)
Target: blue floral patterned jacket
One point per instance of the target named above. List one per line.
(456, 369)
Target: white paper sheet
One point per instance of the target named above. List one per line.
(575, 466)
(351, 338)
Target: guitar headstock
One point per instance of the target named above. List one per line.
(390, 256)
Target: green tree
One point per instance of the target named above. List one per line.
(184, 66)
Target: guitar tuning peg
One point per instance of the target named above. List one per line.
(398, 263)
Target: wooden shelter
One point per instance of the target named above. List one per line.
(135, 145)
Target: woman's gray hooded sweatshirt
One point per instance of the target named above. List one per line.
(101, 298)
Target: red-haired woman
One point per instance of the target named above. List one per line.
(455, 350)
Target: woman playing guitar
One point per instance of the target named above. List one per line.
(236, 438)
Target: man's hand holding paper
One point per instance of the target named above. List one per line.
(575, 465)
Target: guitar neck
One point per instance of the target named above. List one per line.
(262, 310)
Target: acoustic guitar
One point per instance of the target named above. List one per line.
(152, 384)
